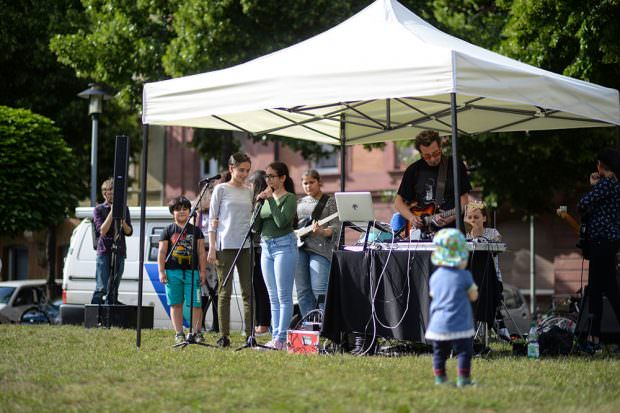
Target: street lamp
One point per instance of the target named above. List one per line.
(96, 94)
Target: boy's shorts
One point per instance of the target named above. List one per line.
(178, 288)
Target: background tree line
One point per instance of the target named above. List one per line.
(53, 49)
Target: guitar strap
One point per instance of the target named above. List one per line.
(318, 209)
(441, 181)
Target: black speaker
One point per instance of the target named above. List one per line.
(121, 163)
(121, 316)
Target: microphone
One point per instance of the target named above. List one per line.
(213, 178)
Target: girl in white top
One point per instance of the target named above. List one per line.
(230, 213)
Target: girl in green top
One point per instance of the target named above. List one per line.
(278, 248)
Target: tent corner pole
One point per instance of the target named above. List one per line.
(455, 163)
(143, 172)
(343, 153)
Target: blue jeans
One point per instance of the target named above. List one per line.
(278, 260)
(311, 278)
(464, 350)
(102, 275)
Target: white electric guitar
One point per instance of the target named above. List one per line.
(302, 233)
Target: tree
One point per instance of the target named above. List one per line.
(39, 173)
(151, 40)
(526, 170)
(30, 76)
(574, 38)
(480, 22)
(39, 177)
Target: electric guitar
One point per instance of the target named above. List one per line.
(427, 213)
(580, 229)
(302, 233)
(572, 222)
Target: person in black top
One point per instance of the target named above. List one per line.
(600, 208)
(418, 187)
(176, 273)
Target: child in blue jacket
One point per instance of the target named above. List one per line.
(452, 288)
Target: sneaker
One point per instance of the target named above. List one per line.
(279, 345)
(199, 338)
(464, 382)
(179, 338)
(224, 341)
(441, 380)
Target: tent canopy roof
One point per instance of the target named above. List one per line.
(388, 74)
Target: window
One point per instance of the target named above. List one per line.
(154, 243)
(208, 167)
(405, 154)
(327, 165)
(17, 267)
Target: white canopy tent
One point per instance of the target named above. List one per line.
(383, 74)
(387, 74)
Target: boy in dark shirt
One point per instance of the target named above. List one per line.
(176, 273)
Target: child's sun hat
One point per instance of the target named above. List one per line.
(450, 248)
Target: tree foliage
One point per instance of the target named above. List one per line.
(578, 39)
(128, 43)
(39, 173)
(480, 22)
(30, 76)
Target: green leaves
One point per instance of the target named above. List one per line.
(39, 173)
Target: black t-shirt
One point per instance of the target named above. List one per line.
(180, 258)
(419, 184)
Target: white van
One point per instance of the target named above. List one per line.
(79, 270)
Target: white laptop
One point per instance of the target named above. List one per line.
(354, 206)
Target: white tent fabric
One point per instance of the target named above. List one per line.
(388, 74)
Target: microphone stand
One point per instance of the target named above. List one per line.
(191, 336)
(251, 340)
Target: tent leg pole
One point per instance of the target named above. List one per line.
(343, 153)
(455, 163)
(532, 268)
(143, 172)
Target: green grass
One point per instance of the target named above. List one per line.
(72, 369)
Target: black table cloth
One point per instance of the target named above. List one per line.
(399, 283)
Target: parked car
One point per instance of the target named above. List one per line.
(515, 311)
(21, 296)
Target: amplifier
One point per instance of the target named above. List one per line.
(121, 316)
(302, 341)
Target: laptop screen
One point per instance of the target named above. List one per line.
(354, 206)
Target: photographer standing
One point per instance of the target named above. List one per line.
(102, 219)
(601, 209)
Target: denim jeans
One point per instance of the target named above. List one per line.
(102, 275)
(278, 262)
(311, 277)
(464, 350)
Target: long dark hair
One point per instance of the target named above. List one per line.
(282, 170)
(258, 182)
(238, 158)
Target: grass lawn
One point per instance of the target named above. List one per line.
(72, 369)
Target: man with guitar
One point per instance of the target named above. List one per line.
(426, 193)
